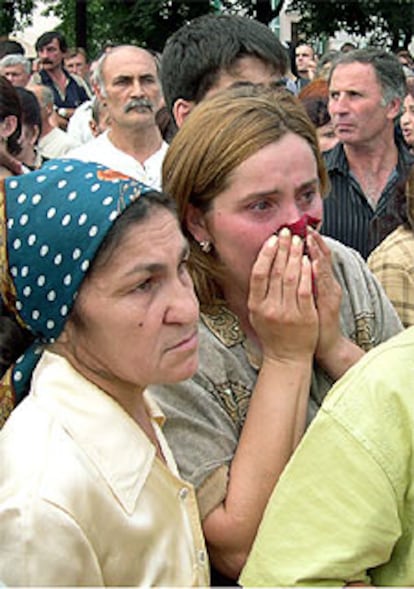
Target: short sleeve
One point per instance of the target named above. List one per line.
(332, 517)
(202, 436)
(367, 315)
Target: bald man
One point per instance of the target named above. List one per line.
(128, 85)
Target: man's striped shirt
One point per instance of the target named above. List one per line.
(348, 215)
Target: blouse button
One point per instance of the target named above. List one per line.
(183, 493)
(202, 557)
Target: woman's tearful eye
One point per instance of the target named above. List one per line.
(261, 205)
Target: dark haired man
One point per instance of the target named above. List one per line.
(10, 47)
(305, 62)
(215, 51)
(69, 91)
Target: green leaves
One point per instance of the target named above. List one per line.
(386, 22)
(150, 22)
(145, 22)
(15, 14)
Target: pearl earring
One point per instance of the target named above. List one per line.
(205, 246)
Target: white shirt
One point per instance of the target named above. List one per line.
(57, 143)
(84, 500)
(102, 151)
(78, 126)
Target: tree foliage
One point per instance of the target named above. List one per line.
(386, 22)
(150, 22)
(14, 14)
(96, 23)
(145, 22)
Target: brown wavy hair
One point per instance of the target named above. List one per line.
(220, 133)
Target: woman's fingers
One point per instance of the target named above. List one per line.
(280, 274)
(320, 255)
(317, 246)
(276, 278)
(259, 280)
(286, 269)
(305, 290)
(281, 306)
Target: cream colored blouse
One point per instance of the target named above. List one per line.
(84, 501)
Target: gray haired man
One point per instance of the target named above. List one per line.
(366, 90)
(16, 68)
(128, 86)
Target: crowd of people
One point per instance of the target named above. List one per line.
(207, 289)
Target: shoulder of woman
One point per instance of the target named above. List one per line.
(343, 256)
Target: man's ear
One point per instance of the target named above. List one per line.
(196, 224)
(394, 108)
(99, 94)
(181, 110)
(93, 127)
(49, 109)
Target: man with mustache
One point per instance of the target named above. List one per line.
(69, 91)
(128, 85)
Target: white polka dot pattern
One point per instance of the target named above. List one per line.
(57, 219)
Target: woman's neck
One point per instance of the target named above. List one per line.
(129, 396)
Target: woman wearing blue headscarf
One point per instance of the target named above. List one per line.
(94, 267)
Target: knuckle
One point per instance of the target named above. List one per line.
(259, 274)
(305, 294)
(271, 316)
(277, 272)
(289, 278)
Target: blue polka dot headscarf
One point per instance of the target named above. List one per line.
(54, 221)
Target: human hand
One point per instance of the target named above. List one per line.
(311, 69)
(281, 307)
(61, 122)
(328, 296)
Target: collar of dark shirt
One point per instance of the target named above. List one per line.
(335, 158)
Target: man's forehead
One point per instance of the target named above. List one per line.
(76, 59)
(13, 68)
(353, 73)
(262, 75)
(52, 44)
(304, 50)
(129, 60)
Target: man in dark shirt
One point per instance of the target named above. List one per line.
(305, 62)
(366, 90)
(69, 91)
